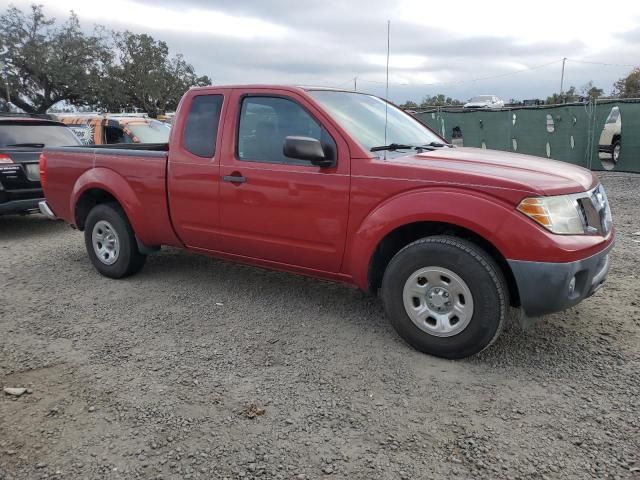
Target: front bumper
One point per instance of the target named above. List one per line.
(546, 287)
(605, 148)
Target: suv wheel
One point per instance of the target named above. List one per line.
(445, 296)
(111, 243)
(615, 151)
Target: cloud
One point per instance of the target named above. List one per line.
(331, 42)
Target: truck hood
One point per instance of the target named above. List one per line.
(493, 168)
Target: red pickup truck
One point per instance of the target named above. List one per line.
(345, 186)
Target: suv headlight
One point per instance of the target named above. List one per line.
(559, 214)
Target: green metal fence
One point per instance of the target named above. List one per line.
(571, 133)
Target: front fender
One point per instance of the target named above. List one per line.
(514, 235)
(484, 215)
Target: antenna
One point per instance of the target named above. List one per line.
(386, 93)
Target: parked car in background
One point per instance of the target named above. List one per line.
(484, 101)
(22, 138)
(309, 180)
(167, 117)
(611, 135)
(104, 129)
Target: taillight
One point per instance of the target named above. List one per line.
(4, 158)
(43, 169)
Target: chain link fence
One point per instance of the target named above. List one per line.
(600, 135)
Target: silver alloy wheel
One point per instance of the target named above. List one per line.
(616, 153)
(438, 301)
(106, 243)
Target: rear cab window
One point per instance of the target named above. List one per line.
(35, 134)
(201, 126)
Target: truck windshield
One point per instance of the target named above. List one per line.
(363, 117)
(152, 132)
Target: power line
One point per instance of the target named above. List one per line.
(601, 63)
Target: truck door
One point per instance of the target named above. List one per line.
(194, 171)
(277, 208)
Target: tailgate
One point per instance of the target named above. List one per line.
(23, 172)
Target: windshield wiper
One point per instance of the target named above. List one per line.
(392, 147)
(34, 145)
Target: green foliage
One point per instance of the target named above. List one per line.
(629, 86)
(144, 76)
(568, 96)
(408, 105)
(47, 64)
(439, 100)
(590, 91)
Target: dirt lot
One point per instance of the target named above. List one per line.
(198, 368)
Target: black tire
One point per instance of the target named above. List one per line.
(475, 267)
(616, 144)
(129, 260)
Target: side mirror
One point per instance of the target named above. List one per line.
(306, 148)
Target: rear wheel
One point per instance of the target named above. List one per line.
(445, 296)
(111, 243)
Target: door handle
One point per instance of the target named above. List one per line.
(234, 178)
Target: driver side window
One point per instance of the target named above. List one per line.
(264, 124)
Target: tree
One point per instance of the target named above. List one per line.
(566, 97)
(144, 76)
(591, 91)
(409, 105)
(46, 64)
(439, 100)
(629, 86)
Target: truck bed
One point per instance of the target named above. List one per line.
(136, 171)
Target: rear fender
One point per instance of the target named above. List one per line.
(111, 182)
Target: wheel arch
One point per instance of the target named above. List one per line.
(401, 236)
(89, 199)
(99, 185)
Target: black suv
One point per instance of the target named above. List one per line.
(22, 138)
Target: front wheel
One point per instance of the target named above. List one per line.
(615, 151)
(445, 296)
(111, 243)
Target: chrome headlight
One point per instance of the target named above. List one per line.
(574, 214)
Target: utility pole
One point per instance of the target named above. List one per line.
(355, 84)
(562, 77)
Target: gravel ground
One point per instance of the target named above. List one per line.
(197, 368)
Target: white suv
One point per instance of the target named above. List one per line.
(484, 101)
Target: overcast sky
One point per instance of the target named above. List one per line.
(436, 47)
